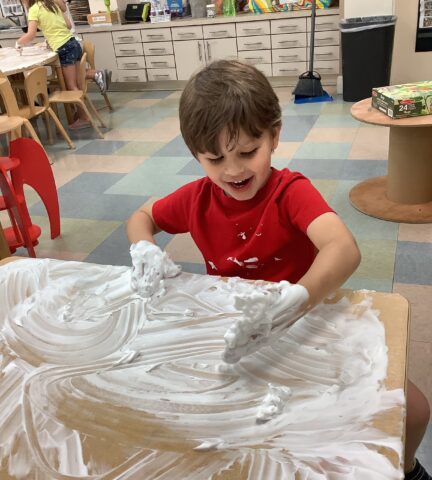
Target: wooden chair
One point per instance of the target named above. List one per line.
(11, 122)
(79, 97)
(35, 86)
(89, 48)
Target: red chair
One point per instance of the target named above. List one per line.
(34, 169)
(19, 234)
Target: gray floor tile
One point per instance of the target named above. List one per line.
(424, 453)
(193, 267)
(192, 168)
(414, 263)
(94, 206)
(101, 147)
(155, 94)
(175, 148)
(91, 182)
(296, 128)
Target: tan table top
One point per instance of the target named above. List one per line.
(11, 62)
(394, 313)
(364, 112)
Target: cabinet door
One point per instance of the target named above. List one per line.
(105, 56)
(219, 48)
(189, 57)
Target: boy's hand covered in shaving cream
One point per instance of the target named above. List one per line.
(150, 265)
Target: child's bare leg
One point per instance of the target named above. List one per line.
(417, 418)
(70, 74)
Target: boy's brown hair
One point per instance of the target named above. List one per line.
(227, 94)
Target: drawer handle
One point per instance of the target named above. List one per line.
(126, 38)
(289, 27)
(252, 44)
(254, 58)
(252, 29)
(160, 75)
(326, 68)
(283, 42)
(157, 49)
(288, 70)
(131, 64)
(187, 34)
(159, 63)
(324, 54)
(325, 24)
(128, 50)
(153, 35)
(327, 39)
(219, 32)
(132, 77)
(288, 56)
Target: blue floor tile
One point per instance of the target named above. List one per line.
(414, 263)
(296, 128)
(94, 206)
(193, 267)
(90, 182)
(101, 147)
(324, 150)
(155, 94)
(192, 168)
(175, 148)
(424, 453)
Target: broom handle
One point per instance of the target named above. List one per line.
(312, 37)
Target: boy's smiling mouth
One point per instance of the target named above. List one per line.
(240, 184)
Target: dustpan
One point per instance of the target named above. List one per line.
(309, 88)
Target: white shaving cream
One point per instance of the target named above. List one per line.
(115, 386)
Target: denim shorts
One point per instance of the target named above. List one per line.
(70, 53)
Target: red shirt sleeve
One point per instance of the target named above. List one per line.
(173, 212)
(303, 203)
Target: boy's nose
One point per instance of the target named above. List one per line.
(234, 169)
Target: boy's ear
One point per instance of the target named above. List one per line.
(276, 135)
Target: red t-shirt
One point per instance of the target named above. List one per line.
(261, 238)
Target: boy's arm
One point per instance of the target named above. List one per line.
(338, 257)
(141, 225)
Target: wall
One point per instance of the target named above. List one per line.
(365, 8)
(408, 66)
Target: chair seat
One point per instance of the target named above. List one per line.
(14, 243)
(66, 96)
(26, 112)
(9, 123)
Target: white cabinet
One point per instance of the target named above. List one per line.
(220, 49)
(105, 56)
(189, 57)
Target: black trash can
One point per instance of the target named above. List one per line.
(367, 46)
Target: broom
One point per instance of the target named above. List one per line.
(309, 88)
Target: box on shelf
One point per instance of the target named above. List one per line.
(401, 101)
(103, 18)
(269, 6)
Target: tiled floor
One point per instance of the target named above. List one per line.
(143, 156)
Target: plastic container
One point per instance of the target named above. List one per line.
(198, 8)
(228, 8)
(367, 46)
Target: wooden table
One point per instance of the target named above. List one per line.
(394, 314)
(4, 248)
(405, 194)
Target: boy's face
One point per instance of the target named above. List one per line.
(242, 169)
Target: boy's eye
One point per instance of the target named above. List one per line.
(251, 153)
(215, 161)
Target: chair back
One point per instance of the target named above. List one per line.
(83, 69)
(35, 85)
(35, 170)
(21, 233)
(89, 48)
(8, 97)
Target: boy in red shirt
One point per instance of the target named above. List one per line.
(247, 218)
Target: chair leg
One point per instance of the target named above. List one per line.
(31, 130)
(93, 109)
(47, 127)
(91, 120)
(107, 102)
(60, 128)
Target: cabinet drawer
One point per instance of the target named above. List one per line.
(128, 49)
(161, 48)
(253, 28)
(129, 36)
(330, 67)
(326, 22)
(187, 33)
(326, 38)
(132, 76)
(288, 25)
(327, 53)
(265, 68)
(163, 61)
(219, 31)
(254, 43)
(289, 69)
(289, 40)
(158, 74)
(130, 63)
(289, 55)
(255, 57)
(156, 35)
